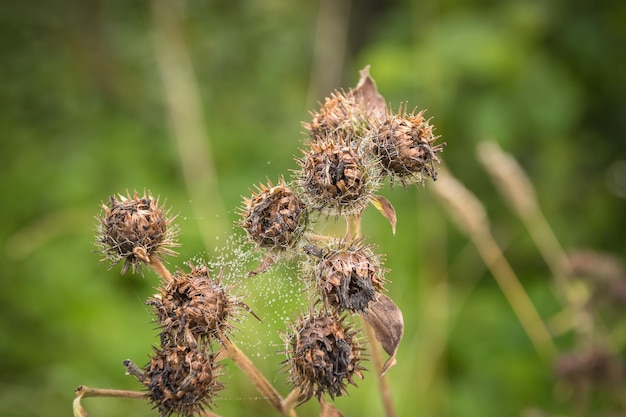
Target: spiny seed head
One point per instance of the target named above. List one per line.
(341, 113)
(192, 308)
(335, 177)
(323, 355)
(348, 276)
(181, 380)
(135, 230)
(404, 145)
(274, 217)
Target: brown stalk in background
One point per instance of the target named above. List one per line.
(513, 183)
(471, 218)
(187, 123)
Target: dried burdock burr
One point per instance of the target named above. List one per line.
(323, 355)
(135, 230)
(192, 308)
(335, 177)
(274, 217)
(348, 113)
(181, 380)
(348, 276)
(405, 146)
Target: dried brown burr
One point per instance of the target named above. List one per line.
(181, 380)
(349, 277)
(135, 230)
(274, 217)
(404, 145)
(323, 355)
(335, 177)
(341, 112)
(192, 308)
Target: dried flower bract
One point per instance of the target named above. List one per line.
(193, 307)
(404, 144)
(135, 230)
(334, 177)
(181, 380)
(274, 217)
(349, 277)
(323, 355)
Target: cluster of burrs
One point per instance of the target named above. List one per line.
(354, 143)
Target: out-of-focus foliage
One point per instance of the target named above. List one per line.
(84, 116)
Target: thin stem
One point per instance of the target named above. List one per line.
(377, 358)
(353, 232)
(157, 266)
(515, 294)
(83, 391)
(188, 127)
(292, 400)
(353, 227)
(317, 238)
(471, 218)
(134, 370)
(260, 382)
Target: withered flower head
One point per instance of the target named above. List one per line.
(335, 177)
(181, 380)
(135, 230)
(341, 112)
(404, 144)
(192, 308)
(274, 217)
(323, 355)
(348, 113)
(349, 277)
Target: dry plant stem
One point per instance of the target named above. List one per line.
(84, 391)
(377, 358)
(317, 238)
(471, 218)
(353, 227)
(353, 232)
(292, 400)
(260, 382)
(185, 108)
(329, 48)
(515, 294)
(157, 266)
(518, 190)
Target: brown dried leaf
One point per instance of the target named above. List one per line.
(386, 209)
(386, 320)
(329, 410)
(368, 93)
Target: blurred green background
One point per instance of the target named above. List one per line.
(87, 89)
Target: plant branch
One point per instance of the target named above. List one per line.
(185, 109)
(353, 232)
(157, 266)
(377, 358)
(260, 382)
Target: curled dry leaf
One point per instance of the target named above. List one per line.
(386, 209)
(368, 94)
(386, 319)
